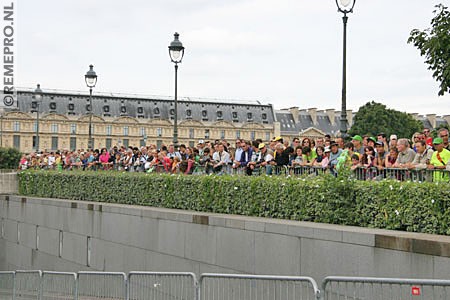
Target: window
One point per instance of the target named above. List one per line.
(156, 111)
(219, 115)
(54, 142)
(172, 111)
(252, 135)
(52, 106)
(264, 116)
(191, 133)
(73, 128)
(142, 142)
(108, 143)
(125, 130)
(222, 134)
(35, 126)
(206, 133)
(158, 144)
(16, 126)
(159, 131)
(54, 129)
(123, 110)
(73, 143)
(140, 110)
(238, 134)
(249, 116)
(205, 115)
(16, 141)
(143, 131)
(267, 136)
(108, 129)
(34, 142)
(126, 142)
(188, 114)
(106, 108)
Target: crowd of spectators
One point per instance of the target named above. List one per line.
(251, 157)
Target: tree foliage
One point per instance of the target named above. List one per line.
(434, 44)
(373, 118)
(9, 158)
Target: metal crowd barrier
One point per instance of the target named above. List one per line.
(99, 285)
(368, 288)
(27, 285)
(417, 175)
(184, 286)
(162, 285)
(58, 286)
(260, 287)
(7, 285)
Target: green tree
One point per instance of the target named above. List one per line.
(373, 118)
(9, 158)
(434, 44)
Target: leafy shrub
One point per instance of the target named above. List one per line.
(419, 207)
(9, 158)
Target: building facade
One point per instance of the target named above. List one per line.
(136, 120)
(129, 121)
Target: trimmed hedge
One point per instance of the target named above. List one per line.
(409, 206)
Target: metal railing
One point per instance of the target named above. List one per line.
(360, 173)
(162, 285)
(43, 285)
(356, 288)
(7, 285)
(58, 286)
(260, 287)
(97, 285)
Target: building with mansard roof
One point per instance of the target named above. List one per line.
(129, 120)
(120, 119)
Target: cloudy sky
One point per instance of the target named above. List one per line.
(284, 52)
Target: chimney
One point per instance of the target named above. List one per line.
(313, 113)
(294, 112)
(331, 115)
(447, 119)
(432, 119)
(349, 118)
(414, 115)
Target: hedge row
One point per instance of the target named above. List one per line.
(409, 206)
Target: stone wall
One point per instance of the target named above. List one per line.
(69, 235)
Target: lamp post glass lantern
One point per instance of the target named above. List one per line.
(345, 7)
(37, 100)
(176, 53)
(91, 81)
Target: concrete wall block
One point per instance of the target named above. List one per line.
(48, 240)
(201, 243)
(159, 262)
(236, 249)
(27, 235)
(10, 230)
(171, 237)
(74, 248)
(277, 254)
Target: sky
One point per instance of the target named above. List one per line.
(285, 52)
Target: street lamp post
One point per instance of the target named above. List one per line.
(345, 7)
(37, 100)
(176, 52)
(91, 80)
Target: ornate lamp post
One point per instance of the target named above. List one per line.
(176, 52)
(37, 100)
(91, 80)
(345, 7)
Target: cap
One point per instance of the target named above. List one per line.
(278, 138)
(262, 145)
(333, 143)
(357, 138)
(327, 149)
(437, 141)
(372, 139)
(201, 141)
(393, 137)
(379, 143)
